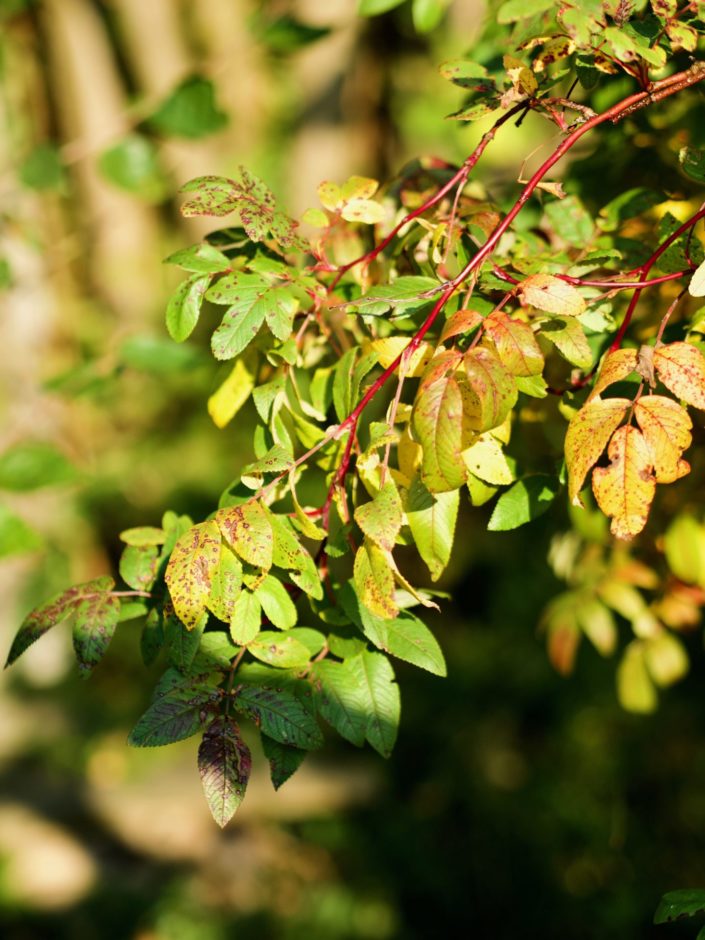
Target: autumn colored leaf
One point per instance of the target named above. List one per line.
(96, 619)
(381, 519)
(491, 392)
(681, 368)
(374, 580)
(224, 763)
(625, 489)
(190, 571)
(586, 438)
(486, 459)
(552, 295)
(568, 336)
(459, 323)
(666, 428)
(515, 343)
(616, 366)
(390, 347)
(247, 528)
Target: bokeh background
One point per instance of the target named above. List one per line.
(518, 803)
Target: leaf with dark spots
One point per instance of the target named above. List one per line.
(224, 763)
(139, 565)
(190, 571)
(174, 715)
(248, 530)
(96, 619)
(280, 715)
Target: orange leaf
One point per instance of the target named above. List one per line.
(681, 368)
(515, 343)
(490, 393)
(463, 321)
(586, 438)
(625, 489)
(616, 366)
(551, 294)
(666, 429)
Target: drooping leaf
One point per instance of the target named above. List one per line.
(279, 649)
(284, 760)
(492, 390)
(280, 715)
(526, 500)
(339, 699)
(224, 763)
(625, 489)
(43, 618)
(189, 574)
(380, 694)
(247, 528)
(96, 618)
(432, 519)
(374, 580)
(381, 519)
(586, 438)
(552, 295)
(184, 307)
(681, 368)
(276, 603)
(666, 428)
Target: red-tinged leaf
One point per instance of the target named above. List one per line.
(440, 425)
(625, 490)
(586, 438)
(381, 519)
(96, 619)
(681, 368)
(43, 618)
(374, 580)
(616, 366)
(666, 428)
(491, 393)
(515, 344)
(247, 528)
(460, 323)
(552, 295)
(224, 763)
(190, 571)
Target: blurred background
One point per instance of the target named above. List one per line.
(517, 803)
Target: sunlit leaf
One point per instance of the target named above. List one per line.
(552, 295)
(224, 763)
(432, 519)
(247, 528)
(381, 519)
(586, 438)
(380, 694)
(515, 343)
(190, 571)
(625, 489)
(681, 368)
(666, 428)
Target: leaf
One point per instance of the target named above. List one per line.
(133, 165)
(32, 465)
(16, 537)
(201, 259)
(381, 519)
(586, 438)
(224, 763)
(339, 699)
(184, 307)
(666, 428)
(625, 489)
(276, 603)
(246, 618)
(666, 658)
(284, 760)
(427, 14)
(460, 323)
(684, 545)
(279, 649)
(406, 295)
(374, 7)
(96, 619)
(390, 347)
(432, 519)
(226, 583)
(528, 499)
(190, 110)
(289, 554)
(363, 210)
(617, 365)
(568, 217)
(568, 336)
(229, 398)
(374, 580)
(692, 160)
(492, 390)
(42, 169)
(139, 565)
(552, 295)
(190, 571)
(182, 643)
(686, 902)
(143, 535)
(248, 530)
(280, 715)
(380, 694)
(276, 460)
(514, 10)
(486, 459)
(515, 343)
(173, 715)
(681, 368)
(43, 618)
(635, 689)
(254, 301)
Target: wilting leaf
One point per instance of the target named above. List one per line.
(552, 295)
(432, 520)
(224, 763)
(616, 366)
(248, 530)
(380, 694)
(666, 428)
(586, 438)
(96, 619)
(681, 368)
(625, 489)
(381, 519)
(515, 343)
(190, 571)
(492, 391)
(280, 715)
(339, 699)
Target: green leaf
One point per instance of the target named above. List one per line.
(514, 10)
(189, 574)
(133, 165)
(380, 695)
(43, 168)
(405, 295)
(635, 687)
(152, 638)
(284, 760)
(96, 619)
(279, 649)
(571, 221)
(287, 34)
(16, 537)
(684, 545)
(182, 644)
(190, 110)
(427, 14)
(374, 7)
(43, 618)
(289, 554)
(313, 640)
(432, 519)
(215, 650)
(527, 499)
(159, 355)
(201, 259)
(139, 565)
(280, 715)
(692, 161)
(184, 307)
(174, 714)
(246, 619)
(276, 603)
(255, 302)
(340, 700)
(684, 903)
(224, 763)
(225, 584)
(628, 205)
(248, 530)
(568, 336)
(143, 535)
(381, 519)
(32, 465)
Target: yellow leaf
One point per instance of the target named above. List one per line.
(635, 690)
(330, 195)
(681, 368)
(666, 429)
(666, 658)
(462, 321)
(551, 294)
(515, 344)
(363, 210)
(491, 389)
(248, 530)
(616, 366)
(486, 460)
(586, 438)
(374, 581)
(390, 347)
(190, 571)
(359, 187)
(227, 400)
(696, 287)
(625, 490)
